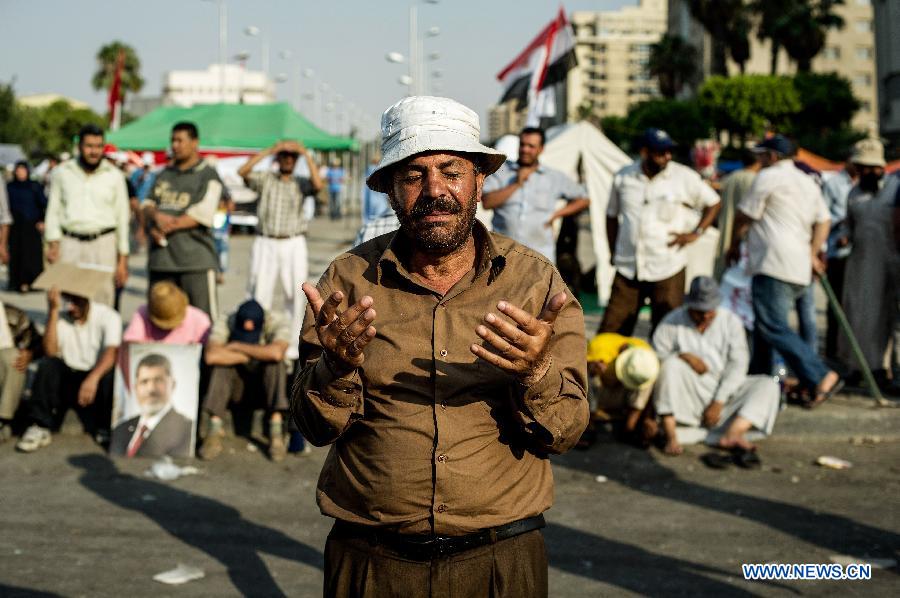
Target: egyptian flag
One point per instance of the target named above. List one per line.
(541, 65)
(114, 101)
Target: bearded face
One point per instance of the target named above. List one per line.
(435, 196)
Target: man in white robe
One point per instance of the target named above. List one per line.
(703, 379)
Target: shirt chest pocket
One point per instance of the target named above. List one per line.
(666, 208)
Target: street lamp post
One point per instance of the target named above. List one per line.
(223, 44)
(254, 31)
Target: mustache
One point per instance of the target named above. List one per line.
(425, 207)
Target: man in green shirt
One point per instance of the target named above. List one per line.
(180, 210)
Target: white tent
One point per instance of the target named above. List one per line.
(600, 160)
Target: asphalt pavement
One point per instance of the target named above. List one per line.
(626, 522)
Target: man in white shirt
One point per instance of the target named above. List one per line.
(703, 379)
(88, 214)
(80, 346)
(785, 221)
(649, 221)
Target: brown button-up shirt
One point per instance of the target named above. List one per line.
(426, 437)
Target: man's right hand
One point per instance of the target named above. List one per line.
(522, 174)
(52, 251)
(343, 335)
(53, 299)
(697, 364)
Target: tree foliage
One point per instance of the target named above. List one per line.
(41, 131)
(728, 25)
(682, 119)
(798, 26)
(673, 61)
(748, 104)
(107, 57)
(823, 125)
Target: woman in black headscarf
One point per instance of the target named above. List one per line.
(28, 204)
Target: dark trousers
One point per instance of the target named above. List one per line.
(55, 389)
(200, 287)
(628, 296)
(26, 254)
(233, 383)
(513, 568)
(836, 268)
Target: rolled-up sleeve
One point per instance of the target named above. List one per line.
(52, 219)
(555, 408)
(323, 405)
(123, 216)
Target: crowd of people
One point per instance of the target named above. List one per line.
(446, 353)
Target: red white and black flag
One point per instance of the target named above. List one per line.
(531, 76)
(114, 101)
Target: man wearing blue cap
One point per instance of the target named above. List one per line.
(703, 377)
(246, 352)
(650, 218)
(785, 221)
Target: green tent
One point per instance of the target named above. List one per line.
(227, 127)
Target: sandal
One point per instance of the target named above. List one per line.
(746, 459)
(717, 460)
(824, 396)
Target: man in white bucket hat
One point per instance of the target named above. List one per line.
(441, 408)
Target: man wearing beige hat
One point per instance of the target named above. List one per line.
(443, 364)
(870, 290)
(167, 318)
(703, 379)
(80, 345)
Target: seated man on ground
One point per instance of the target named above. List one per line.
(20, 342)
(167, 318)
(621, 372)
(703, 379)
(246, 353)
(80, 345)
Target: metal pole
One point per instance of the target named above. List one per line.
(413, 50)
(854, 344)
(223, 47)
(265, 55)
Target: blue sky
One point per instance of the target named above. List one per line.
(49, 45)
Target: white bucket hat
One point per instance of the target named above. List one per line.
(868, 152)
(423, 124)
(637, 368)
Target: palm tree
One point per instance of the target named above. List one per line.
(107, 57)
(719, 18)
(798, 26)
(673, 61)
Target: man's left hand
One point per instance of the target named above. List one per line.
(522, 350)
(23, 358)
(682, 239)
(88, 391)
(121, 273)
(712, 414)
(166, 223)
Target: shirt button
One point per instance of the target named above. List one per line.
(443, 352)
(441, 508)
(442, 458)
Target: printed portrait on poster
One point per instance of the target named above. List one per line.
(156, 399)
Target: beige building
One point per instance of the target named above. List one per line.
(887, 33)
(42, 100)
(613, 49)
(504, 119)
(849, 52)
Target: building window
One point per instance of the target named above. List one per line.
(864, 26)
(862, 80)
(864, 53)
(832, 53)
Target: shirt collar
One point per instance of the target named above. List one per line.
(515, 167)
(491, 255)
(153, 421)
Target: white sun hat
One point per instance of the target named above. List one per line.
(423, 124)
(637, 368)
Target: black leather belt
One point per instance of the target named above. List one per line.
(280, 236)
(419, 547)
(88, 237)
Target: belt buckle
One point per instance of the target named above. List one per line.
(440, 546)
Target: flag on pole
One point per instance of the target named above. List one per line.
(114, 102)
(530, 78)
